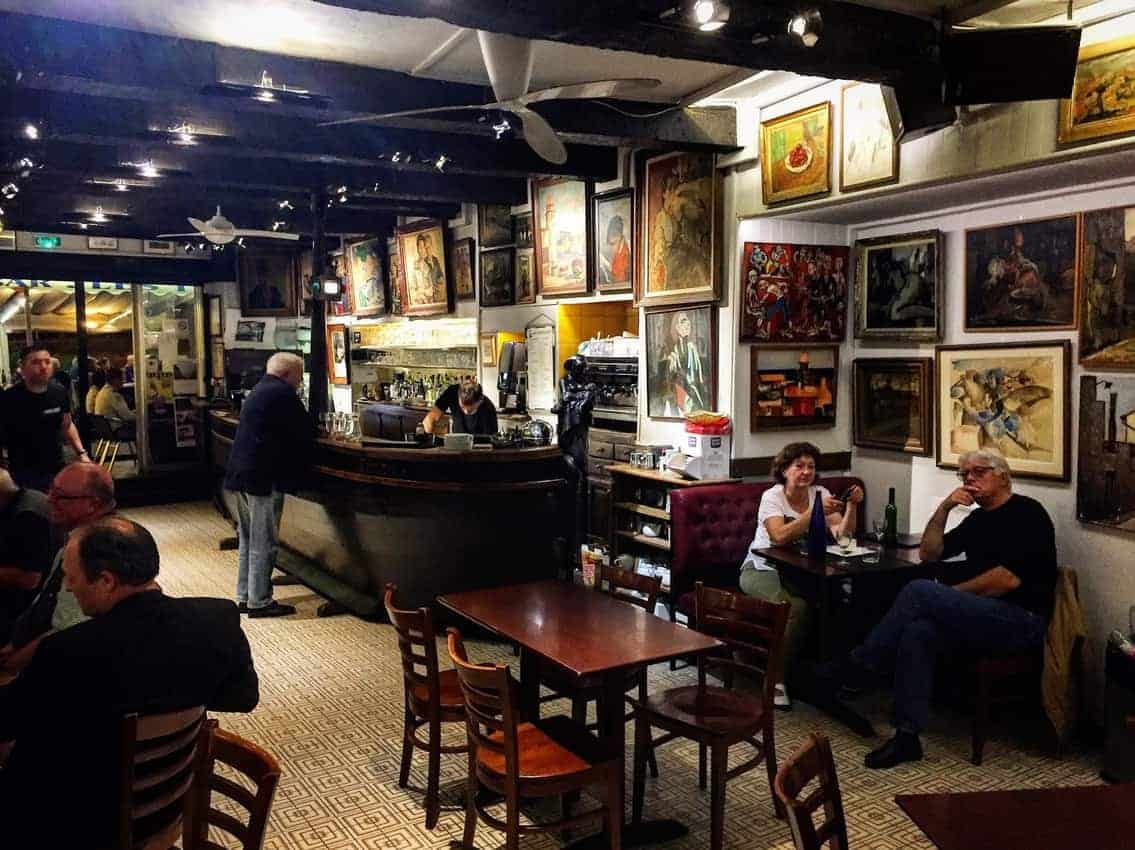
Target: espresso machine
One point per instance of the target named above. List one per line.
(512, 378)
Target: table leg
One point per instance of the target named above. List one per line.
(529, 684)
(825, 620)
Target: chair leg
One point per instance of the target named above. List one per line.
(769, 741)
(642, 745)
(980, 719)
(615, 808)
(407, 747)
(113, 458)
(433, 806)
(720, 759)
(512, 822)
(470, 804)
(701, 766)
(579, 710)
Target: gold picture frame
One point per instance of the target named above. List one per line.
(796, 155)
(1095, 65)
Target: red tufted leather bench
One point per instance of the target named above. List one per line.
(711, 528)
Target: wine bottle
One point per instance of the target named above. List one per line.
(817, 529)
(891, 520)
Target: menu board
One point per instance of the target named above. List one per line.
(541, 368)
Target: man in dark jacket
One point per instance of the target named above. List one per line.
(268, 458)
(141, 651)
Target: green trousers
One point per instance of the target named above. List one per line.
(766, 584)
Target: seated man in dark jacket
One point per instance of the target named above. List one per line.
(268, 458)
(143, 652)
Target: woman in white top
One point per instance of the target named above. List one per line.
(783, 518)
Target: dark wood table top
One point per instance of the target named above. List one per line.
(791, 556)
(585, 631)
(1099, 817)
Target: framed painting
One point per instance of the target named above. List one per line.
(1105, 483)
(425, 283)
(461, 252)
(338, 355)
(267, 283)
(397, 280)
(613, 221)
(525, 276)
(796, 155)
(1022, 276)
(1014, 398)
(489, 349)
(681, 361)
(214, 306)
(368, 289)
(1107, 289)
(793, 293)
(898, 287)
(1103, 99)
(680, 226)
(494, 225)
(792, 387)
(868, 152)
(522, 230)
(892, 404)
(561, 208)
(340, 266)
(497, 277)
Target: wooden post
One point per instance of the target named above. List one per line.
(317, 389)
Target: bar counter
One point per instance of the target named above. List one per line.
(430, 520)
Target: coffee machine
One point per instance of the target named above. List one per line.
(512, 377)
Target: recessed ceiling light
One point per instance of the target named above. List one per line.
(98, 216)
(120, 185)
(31, 131)
(147, 169)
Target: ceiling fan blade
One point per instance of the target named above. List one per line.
(176, 235)
(378, 116)
(594, 90)
(508, 60)
(199, 224)
(540, 135)
(265, 234)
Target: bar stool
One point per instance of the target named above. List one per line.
(432, 697)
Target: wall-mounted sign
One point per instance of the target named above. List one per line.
(157, 246)
(102, 243)
(48, 243)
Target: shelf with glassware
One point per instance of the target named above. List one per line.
(409, 374)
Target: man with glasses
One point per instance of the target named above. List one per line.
(1001, 605)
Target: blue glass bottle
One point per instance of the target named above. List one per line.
(817, 529)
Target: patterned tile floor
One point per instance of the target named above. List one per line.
(331, 711)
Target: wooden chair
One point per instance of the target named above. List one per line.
(552, 756)
(157, 753)
(813, 761)
(627, 586)
(719, 717)
(432, 697)
(260, 767)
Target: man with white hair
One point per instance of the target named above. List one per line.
(269, 456)
(1001, 607)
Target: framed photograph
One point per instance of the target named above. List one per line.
(489, 349)
(1103, 100)
(868, 152)
(793, 293)
(796, 155)
(217, 359)
(893, 400)
(494, 225)
(680, 227)
(338, 354)
(613, 220)
(425, 286)
(461, 253)
(1011, 397)
(497, 277)
(216, 309)
(267, 283)
(525, 276)
(1105, 487)
(368, 290)
(792, 387)
(898, 287)
(1022, 276)
(561, 207)
(1107, 289)
(397, 279)
(681, 361)
(522, 230)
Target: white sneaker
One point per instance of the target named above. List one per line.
(780, 699)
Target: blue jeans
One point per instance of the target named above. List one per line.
(930, 619)
(258, 525)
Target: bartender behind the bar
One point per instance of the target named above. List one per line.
(470, 411)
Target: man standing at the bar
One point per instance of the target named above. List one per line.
(269, 455)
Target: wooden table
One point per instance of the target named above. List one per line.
(1100, 817)
(587, 633)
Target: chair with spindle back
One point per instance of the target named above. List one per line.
(547, 757)
(258, 766)
(157, 753)
(432, 697)
(813, 761)
(719, 717)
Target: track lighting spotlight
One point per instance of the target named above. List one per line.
(807, 27)
(710, 15)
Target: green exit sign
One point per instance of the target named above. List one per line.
(48, 242)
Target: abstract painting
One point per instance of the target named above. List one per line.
(679, 229)
(868, 152)
(1107, 289)
(497, 277)
(560, 209)
(1105, 473)
(461, 253)
(397, 283)
(614, 227)
(1022, 276)
(893, 402)
(368, 291)
(267, 283)
(1103, 96)
(1009, 397)
(525, 276)
(796, 154)
(338, 355)
(898, 287)
(681, 358)
(494, 225)
(425, 285)
(792, 388)
(793, 293)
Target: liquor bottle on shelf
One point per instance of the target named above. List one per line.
(891, 520)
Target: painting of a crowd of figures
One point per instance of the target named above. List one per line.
(892, 404)
(898, 287)
(1105, 473)
(792, 388)
(1107, 289)
(1014, 398)
(1103, 99)
(793, 293)
(1022, 276)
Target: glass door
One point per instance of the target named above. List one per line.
(109, 328)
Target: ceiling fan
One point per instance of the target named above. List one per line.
(508, 60)
(220, 231)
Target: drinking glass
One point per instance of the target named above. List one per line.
(844, 541)
(878, 524)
